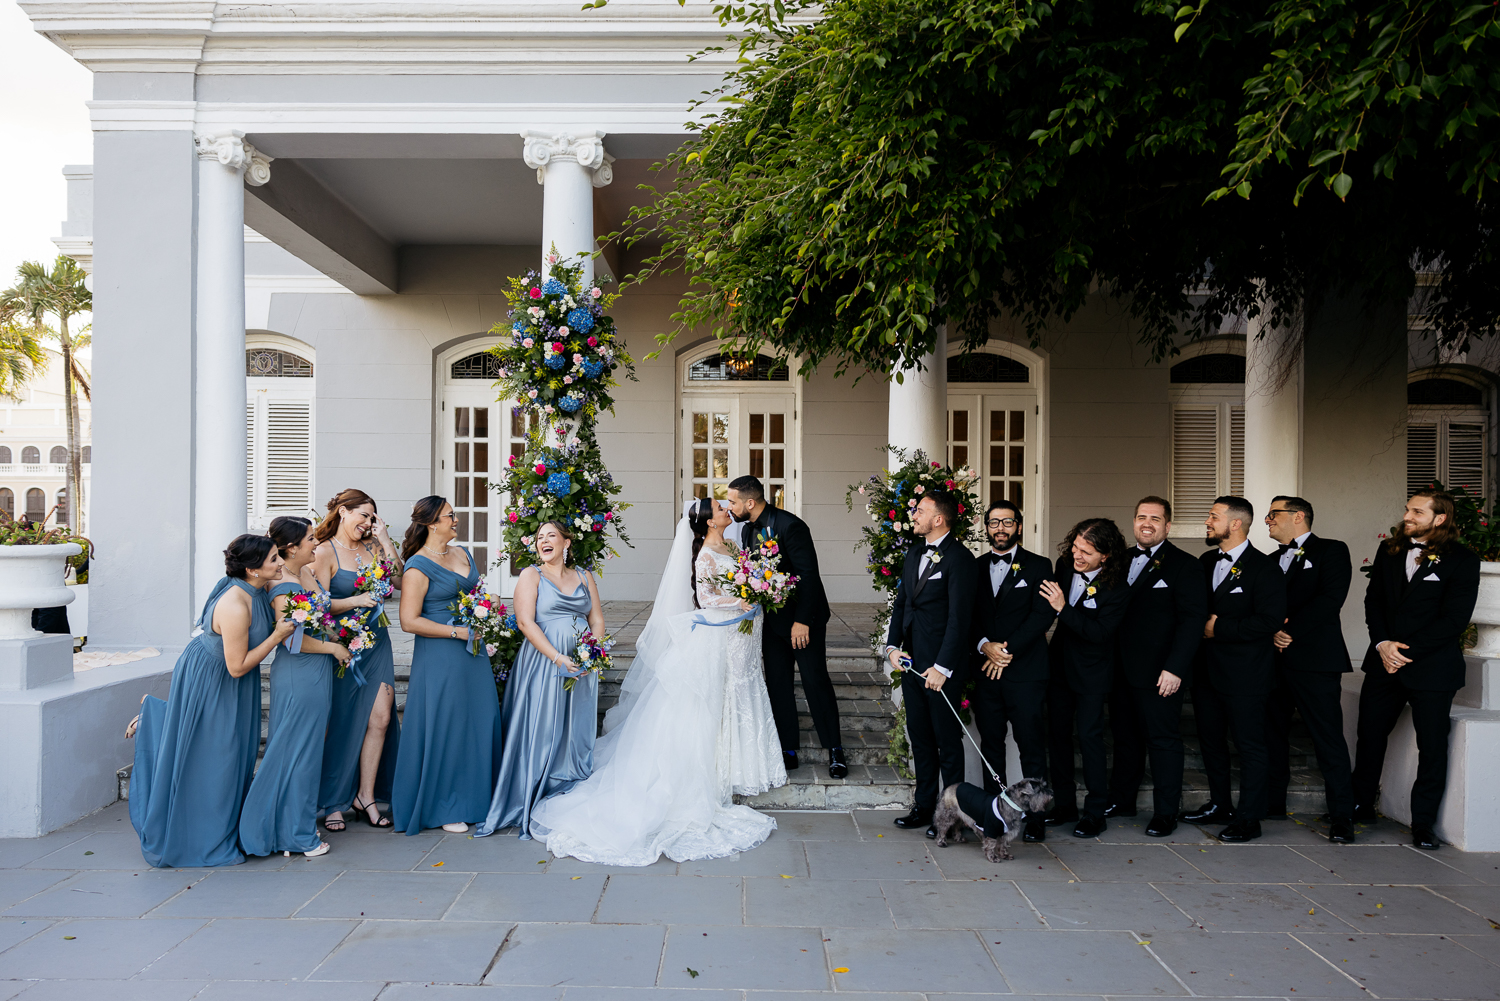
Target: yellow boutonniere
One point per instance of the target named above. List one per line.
(1234, 571)
(1090, 590)
(1016, 567)
(1433, 559)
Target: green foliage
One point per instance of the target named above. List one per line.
(566, 483)
(1478, 524)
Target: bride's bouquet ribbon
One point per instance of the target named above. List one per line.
(699, 620)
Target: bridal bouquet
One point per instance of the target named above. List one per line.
(479, 611)
(592, 657)
(376, 579)
(758, 580)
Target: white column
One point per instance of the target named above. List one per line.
(569, 166)
(1273, 415)
(225, 163)
(918, 414)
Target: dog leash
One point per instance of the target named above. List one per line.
(988, 767)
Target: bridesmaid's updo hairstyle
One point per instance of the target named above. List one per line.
(423, 513)
(566, 533)
(245, 553)
(350, 498)
(287, 531)
(699, 517)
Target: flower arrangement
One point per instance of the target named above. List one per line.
(592, 657)
(503, 641)
(476, 610)
(308, 611)
(566, 483)
(353, 632)
(563, 349)
(377, 579)
(758, 581)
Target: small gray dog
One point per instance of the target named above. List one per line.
(965, 804)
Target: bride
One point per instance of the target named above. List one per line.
(692, 728)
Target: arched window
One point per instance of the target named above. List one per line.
(479, 365)
(737, 368)
(1208, 435)
(1443, 393)
(88, 454)
(8, 503)
(62, 506)
(278, 433)
(1447, 435)
(1210, 369)
(269, 363)
(31, 454)
(36, 504)
(5, 458)
(986, 367)
(59, 454)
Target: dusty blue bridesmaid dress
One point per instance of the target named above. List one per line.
(281, 809)
(349, 716)
(549, 732)
(195, 752)
(450, 744)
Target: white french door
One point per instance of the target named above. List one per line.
(725, 435)
(996, 435)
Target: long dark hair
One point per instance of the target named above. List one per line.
(287, 531)
(350, 498)
(1104, 535)
(1439, 537)
(423, 513)
(699, 517)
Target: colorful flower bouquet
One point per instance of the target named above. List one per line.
(477, 610)
(352, 632)
(566, 483)
(757, 580)
(308, 611)
(377, 579)
(563, 349)
(502, 641)
(592, 657)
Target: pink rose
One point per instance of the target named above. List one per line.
(541, 469)
(557, 347)
(578, 359)
(551, 258)
(567, 380)
(609, 516)
(490, 648)
(536, 293)
(527, 342)
(919, 488)
(531, 394)
(593, 342)
(513, 517)
(595, 293)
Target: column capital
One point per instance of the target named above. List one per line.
(230, 149)
(587, 148)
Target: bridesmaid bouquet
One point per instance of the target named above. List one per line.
(592, 656)
(757, 579)
(352, 632)
(482, 613)
(376, 579)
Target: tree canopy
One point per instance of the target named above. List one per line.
(876, 168)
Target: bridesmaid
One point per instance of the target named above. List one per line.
(359, 756)
(450, 749)
(281, 811)
(550, 732)
(195, 752)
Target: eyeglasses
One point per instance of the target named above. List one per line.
(1001, 523)
(1271, 515)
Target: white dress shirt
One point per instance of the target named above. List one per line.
(1413, 560)
(1222, 566)
(1291, 554)
(998, 570)
(1080, 581)
(921, 569)
(1138, 559)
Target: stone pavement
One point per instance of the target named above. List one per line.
(834, 904)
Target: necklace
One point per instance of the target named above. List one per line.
(353, 549)
(435, 552)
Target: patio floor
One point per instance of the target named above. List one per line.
(834, 903)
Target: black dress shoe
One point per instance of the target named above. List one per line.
(931, 834)
(1210, 813)
(789, 759)
(1090, 827)
(1366, 815)
(1161, 825)
(1035, 829)
(1056, 818)
(838, 768)
(1119, 810)
(913, 820)
(1423, 836)
(1341, 830)
(1240, 830)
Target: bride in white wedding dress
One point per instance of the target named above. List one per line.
(692, 728)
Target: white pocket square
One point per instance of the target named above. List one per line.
(1090, 603)
(936, 575)
(1020, 583)
(1306, 563)
(1160, 583)
(1433, 577)
(1238, 590)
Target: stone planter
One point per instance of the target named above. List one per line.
(1487, 612)
(32, 577)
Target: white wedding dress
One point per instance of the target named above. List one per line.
(692, 728)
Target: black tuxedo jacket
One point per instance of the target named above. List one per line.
(930, 618)
(809, 604)
(1317, 582)
(1164, 619)
(1083, 645)
(1251, 606)
(1018, 615)
(1429, 613)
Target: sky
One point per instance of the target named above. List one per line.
(44, 124)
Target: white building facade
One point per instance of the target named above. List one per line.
(34, 447)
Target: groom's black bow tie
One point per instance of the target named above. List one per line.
(929, 548)
(1226, 556)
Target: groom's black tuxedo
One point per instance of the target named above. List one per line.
(930, 622)
(809, 606)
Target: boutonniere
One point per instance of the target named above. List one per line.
(1299, 553)
(1015, 568)
(1156, 564)
(1091, 590)
(1433, 559)
(936, 557)
(1234, 572)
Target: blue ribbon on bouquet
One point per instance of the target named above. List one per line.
(359, 677)
(699, 620)
(293, 643)
(474, 643)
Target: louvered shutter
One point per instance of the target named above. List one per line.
(1237, 451)
(1421, 456)
(1195, 462)
(250, 458)
(1465, 458)
(288, 476)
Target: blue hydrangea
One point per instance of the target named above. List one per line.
(556, 361)
(581, 320)
(592, 368)
(509, 622)
(569, 403)
(519, 326)
(560, 484)
(554, 287)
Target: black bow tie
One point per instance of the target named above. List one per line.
(1226, 556)
(1419, 545)
(1139, 552)
(998, 558)
(929, 548)
(1284, 548)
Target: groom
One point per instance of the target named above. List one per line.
(797, 634)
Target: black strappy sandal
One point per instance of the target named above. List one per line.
(333, 826)
(383, 819)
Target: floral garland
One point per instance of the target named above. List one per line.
(564, 349)
(566, 483)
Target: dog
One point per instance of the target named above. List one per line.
(964, 804)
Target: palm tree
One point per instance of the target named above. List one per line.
(61, 293)
(21, 355)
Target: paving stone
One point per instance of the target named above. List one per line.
(1152, 863)
(1482, 900)
(452, 992)
(573, 867)
(1483, 866)
(697, 900)
(1379, 909)
(1079, 962)
(1229, 965)
(777, 857)
(1256, 864)
(816, 826)
(823, 903)
(250, 990)
(99, 948)
(251, 949)
(99, 850)
(238, 893)
(912, 961)
(1135, 907)
(13, 930)
(652, 994)
(445, 952)
(496, 853)
(534, 896)
(1418, 966)
(1386, 864)
(107, 894)
(18, 884)
(957, 904)
(16, 852)
(841, 996)
(1031, 863)
(383, 852)
(115, 990)
(115, 817)
(414, 895)
(862, 860)
(576, 955)
(743, 958)
(1252, 907)
(13, 988)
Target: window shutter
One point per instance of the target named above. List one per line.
(1421, 456)
(250, 458)
(1237, 451)
(1465, 458)
(1195, 462)
(288, 455)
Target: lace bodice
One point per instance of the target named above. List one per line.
(709, 566)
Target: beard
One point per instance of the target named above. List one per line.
(1000, 543)
(1210, 539)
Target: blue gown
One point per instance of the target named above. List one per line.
(549, 732)
(349, 717)
(195, 752)
(281, 810)
(450, 748)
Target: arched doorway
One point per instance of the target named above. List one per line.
(738, 416)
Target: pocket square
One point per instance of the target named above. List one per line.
(1160, 583)
(1433, 577)
(1238, 590)
(1307, 564)
(936, 576)
(1090, 603)
(1020, 583)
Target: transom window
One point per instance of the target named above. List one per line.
(480, 365)
(738, 368)
(986, 367)
(1223, 368)
(269, 363)
(1443, 393)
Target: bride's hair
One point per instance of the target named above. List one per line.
(699, 516)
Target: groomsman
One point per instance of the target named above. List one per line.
(1422, 591)
(1232, 679)
(1310, 659)
(1157, 641)
(1009, 627)
(930, 623)
(1090, 595)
